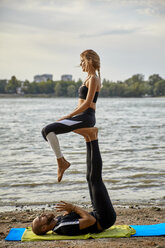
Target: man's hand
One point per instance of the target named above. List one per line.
(64, 206)
(85, 219)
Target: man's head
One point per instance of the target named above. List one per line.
(43, 223)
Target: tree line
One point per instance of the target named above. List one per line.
(134, 86)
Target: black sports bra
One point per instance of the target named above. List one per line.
(83, 91)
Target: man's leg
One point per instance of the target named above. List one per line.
(101, 202)
(89, 134)
(104, 210)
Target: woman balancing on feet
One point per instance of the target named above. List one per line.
(84, 115)
(77, 221)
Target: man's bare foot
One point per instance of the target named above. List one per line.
(89, 134)
(63, 164)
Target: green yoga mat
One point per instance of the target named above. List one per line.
(117, 231)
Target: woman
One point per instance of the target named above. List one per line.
(84, 115)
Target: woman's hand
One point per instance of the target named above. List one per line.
(64, 206)
(64, 117)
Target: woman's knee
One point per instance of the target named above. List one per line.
(50, 128)
(44, 134)
(46, 130)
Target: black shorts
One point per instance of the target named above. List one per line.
(83, 120)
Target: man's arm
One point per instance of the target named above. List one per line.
(86, 219)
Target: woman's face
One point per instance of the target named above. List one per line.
(83, 64)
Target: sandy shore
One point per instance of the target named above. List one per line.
(125, 215)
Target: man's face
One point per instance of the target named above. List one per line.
(43, 219)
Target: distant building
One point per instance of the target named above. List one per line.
(66, 77)
(20, 90)
(43, 78)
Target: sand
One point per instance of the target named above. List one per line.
(125, 215)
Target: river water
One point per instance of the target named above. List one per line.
(132, 144)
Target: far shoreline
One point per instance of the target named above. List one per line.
(157, 204)
(2, 96)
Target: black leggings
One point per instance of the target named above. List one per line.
(83, 120)
(103, 210)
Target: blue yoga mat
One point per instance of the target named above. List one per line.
(149, 230)
(15, 234)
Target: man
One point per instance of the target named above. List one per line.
(77, 221)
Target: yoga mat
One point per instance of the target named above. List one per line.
(149, 230)
(15, 234)
(116, 231)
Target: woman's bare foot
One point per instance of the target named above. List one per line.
(89, 134)
(63, 164)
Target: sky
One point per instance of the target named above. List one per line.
(47, 36)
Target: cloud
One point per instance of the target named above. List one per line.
(154, 11)
(142, 7)
(112, 31)
(73, 16)
(34, 18)
(49, 15)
